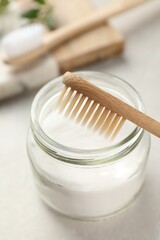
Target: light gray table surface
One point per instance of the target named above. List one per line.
(22, 214)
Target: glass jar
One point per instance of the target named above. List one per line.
(87, 183)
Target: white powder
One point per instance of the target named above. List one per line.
(67, 132)
(87, 191)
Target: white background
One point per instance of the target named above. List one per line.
(22, 214)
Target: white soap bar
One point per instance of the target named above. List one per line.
(9, 86)
(44, 70)
(32, 77)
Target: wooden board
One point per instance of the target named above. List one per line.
(98, 43)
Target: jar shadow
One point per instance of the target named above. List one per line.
(138, 221)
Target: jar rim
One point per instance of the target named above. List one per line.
(65, 153)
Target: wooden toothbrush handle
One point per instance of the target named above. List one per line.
(89, 22)
(65, 33)
(112, 103)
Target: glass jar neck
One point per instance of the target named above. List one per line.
(89, 157)
(80, 156)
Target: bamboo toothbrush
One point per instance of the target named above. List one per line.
(98, 109)
(61, 35)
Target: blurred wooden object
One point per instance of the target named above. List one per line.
(99, 43)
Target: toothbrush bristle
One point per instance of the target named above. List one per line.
(95, 116)
(113, 124)
(60, 97)
(89, 113)
(109, 121)
(72, 104)
(23, 40)
(118, 127)
(84, 110)
(101, 119)
(77, 107)
(65, 100)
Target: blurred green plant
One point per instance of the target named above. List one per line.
(41, 12)
(3, 5)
